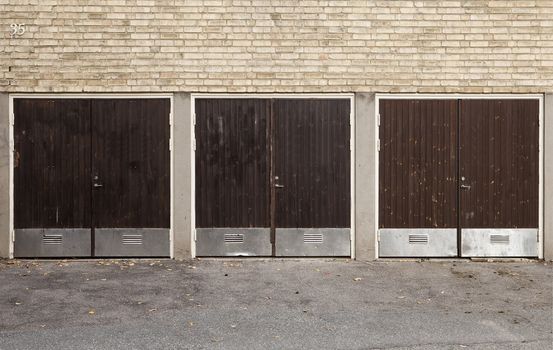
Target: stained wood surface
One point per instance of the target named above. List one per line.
(241, 143)
(130, 156)
(312, 162)
(52, 163)
(62, 144)
(418, 164)
(232, 167)
(500, 161)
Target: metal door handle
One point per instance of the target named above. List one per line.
(465, 187)
(279, 186)
(98, 185)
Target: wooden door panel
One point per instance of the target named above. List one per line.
(232, 167)
(418, 164)
(131, 160)
(311, 158)
(499, 160)
(52, 186)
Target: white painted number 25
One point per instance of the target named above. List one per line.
(17, 29)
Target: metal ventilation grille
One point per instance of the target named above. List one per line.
(50, 239)
(418, 239)
(131, 239)
(499, 239)
(312, 238)
(234, 238)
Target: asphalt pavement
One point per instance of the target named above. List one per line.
(275, 304)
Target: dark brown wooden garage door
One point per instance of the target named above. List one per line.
(458, 177)
(272, 177)
(418, 164)
(499, 163)
(91, 177)
(499, 177)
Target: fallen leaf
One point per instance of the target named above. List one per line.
(91, 312)
(357, 279)
(17, 303)
(152, 310)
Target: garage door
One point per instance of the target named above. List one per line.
(91, 177)
(272, 177)
(458, 177)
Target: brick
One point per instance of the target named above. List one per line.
(279, 46)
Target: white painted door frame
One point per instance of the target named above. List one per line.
(349, 96)
(88, 96)
(539, 97)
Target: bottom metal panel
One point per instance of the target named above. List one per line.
(52, 243)
(233, 241)
(131, 242)
(312, 242)
(417, 242)
(499, 242)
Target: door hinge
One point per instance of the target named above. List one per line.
(194, 119)
(13, 236)
(170, 144)
(378, 119)
(171, 119)
(378, 145)
(378, 236)
(194, 144)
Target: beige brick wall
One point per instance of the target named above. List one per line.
(277, 46)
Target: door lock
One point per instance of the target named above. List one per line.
(96, 184)
(277, 185)
(465, 187)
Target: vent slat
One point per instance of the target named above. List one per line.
(131, 239)
(499, 239)
(418, 239)
(313, 238)
(49, 239)
(234, 238)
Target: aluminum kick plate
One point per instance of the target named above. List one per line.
(52, 243)
(131, 242)
(484, 242)
(313, 242)
(417, 242)
(233, 242)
